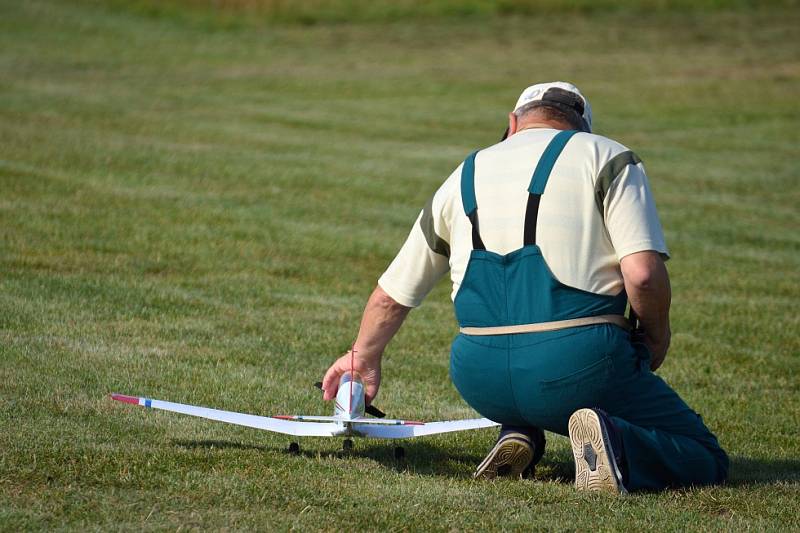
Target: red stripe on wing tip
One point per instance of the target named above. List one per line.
(284, 417)
(413, 423)
(125, 399)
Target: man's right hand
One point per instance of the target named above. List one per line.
(658, 350)
(368, 369)
(647, 285)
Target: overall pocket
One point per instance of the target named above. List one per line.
(548, 399)
(599, 372)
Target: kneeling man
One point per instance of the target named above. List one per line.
(548, 236)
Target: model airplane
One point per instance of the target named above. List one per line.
(348, 420)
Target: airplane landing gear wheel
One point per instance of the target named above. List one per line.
(399, 453)
(347, 445)
(294, 448)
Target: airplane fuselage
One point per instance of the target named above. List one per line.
(350, 402)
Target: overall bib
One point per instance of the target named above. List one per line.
(539, 379)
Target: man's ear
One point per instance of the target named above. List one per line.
(512, 124)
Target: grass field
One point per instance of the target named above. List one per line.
(196, 211)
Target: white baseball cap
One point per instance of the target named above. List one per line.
(561, 95)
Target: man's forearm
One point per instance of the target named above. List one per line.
(382, 317)
(649, 293)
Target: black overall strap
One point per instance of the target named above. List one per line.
(539, 181)
(468, 198)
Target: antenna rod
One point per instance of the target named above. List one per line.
(352, 374)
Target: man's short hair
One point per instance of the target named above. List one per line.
(549, 112)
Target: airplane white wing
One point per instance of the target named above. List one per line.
(418, 430)
(287, 427)
(362, 420)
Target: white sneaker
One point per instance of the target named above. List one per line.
(596, 467)
(511, 456)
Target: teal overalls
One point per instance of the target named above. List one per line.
(540, 379)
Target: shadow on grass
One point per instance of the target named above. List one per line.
(434, 460)
(743, 470)
(556, 466)
(419, 457)
(221, 444)
(750, 471)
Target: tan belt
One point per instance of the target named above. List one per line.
(617, 320)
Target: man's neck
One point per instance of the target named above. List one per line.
(540, 123)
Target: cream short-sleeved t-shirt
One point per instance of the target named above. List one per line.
(597, 208)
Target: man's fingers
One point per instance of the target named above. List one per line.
(370, 375)
(369, 395)
(330, 383)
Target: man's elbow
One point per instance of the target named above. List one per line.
(381, 299)
(643, 278)
(645, 271)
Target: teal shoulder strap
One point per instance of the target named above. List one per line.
(468, 184)
(548, 159)
(468, 198)
(539, 181)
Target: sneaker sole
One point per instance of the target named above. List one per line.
(594, 466)
(509, 457)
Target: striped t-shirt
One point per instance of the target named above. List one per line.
(596, 209)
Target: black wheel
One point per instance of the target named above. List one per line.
(399, 452)
(294, 447)
(347, 445)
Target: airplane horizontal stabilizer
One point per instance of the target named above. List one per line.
(429, 428)
(388, 422)
(315, 418)
(309, 418)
